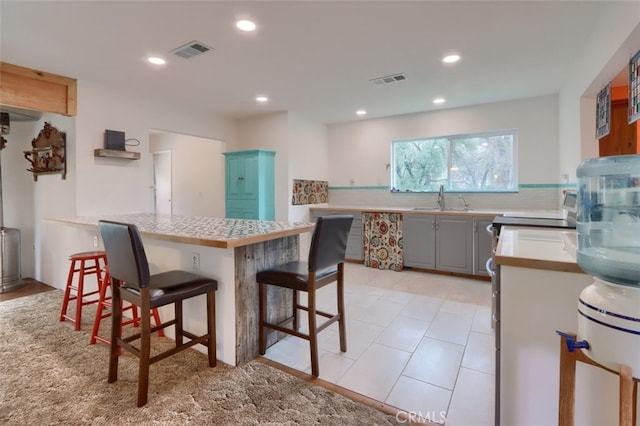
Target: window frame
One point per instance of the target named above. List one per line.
(449, 138)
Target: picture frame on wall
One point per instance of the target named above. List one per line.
(603, 112)
(634, 88)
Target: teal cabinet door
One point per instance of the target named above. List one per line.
(250, 185)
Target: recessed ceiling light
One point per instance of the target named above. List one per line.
(438, 101)
(361, 112)
(155, 60)
(450, 59)
(261, 99)
(246, 25)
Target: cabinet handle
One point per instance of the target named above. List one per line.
(240, 178)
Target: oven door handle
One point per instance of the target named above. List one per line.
(489, 267)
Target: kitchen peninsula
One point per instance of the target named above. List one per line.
(540, 283)
(228, 250)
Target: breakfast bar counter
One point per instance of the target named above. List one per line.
(231, 251)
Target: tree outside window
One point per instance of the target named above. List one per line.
(464, 163)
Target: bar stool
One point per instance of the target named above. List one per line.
(105, 310)
(128, 266)
(324, 266)
(80, 262)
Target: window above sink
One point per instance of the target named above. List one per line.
(480, 162)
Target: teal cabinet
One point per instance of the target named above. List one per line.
(249, 184)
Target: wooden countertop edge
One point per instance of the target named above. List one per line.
(409, 211)
(245, 241)
(547, 265)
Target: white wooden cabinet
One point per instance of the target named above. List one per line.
(535, 301)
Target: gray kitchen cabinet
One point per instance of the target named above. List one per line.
(440, 242)
(419, 240)
(354, 241)
(454, 244)
(482, 245)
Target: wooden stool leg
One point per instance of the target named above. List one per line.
(627, 400)
(211, 328)
(342, 328)
(156, 320)
(80, 296)
(116, 326)
(566, 413)
(179, 326)
(313, 334)
(67, 291)
(295, 310)
(145, 348)
(101, 305)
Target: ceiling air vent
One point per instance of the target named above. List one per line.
(388, 79)
(191, 49)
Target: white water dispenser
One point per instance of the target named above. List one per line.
(608, 227)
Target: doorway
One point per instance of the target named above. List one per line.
(162, 182)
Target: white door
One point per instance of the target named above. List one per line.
(162, 181)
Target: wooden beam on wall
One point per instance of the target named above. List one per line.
(37, 90)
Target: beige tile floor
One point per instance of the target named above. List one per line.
(420, 342)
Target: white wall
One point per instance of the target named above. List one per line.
(18, 188)
(360, 151)
(301, 153)
(270, 132)
(27, 202)
(308, 160)
(197, 173)
(105, 185)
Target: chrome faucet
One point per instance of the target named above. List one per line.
(441, 197)
(466, 205)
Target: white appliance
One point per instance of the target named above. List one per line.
(608, 227)
(10, 274)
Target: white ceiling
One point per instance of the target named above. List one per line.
(313, 58)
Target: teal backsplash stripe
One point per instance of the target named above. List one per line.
(339, 188)
(521, 186)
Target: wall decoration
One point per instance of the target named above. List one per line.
(603, 112)
(310, 192)
(383, 240)
(634, 88)
(48, 153)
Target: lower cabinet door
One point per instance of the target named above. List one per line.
(419, 241)
(454, 244)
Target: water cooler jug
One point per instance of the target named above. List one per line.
(608, 227)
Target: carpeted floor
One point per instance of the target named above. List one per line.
(49, 374)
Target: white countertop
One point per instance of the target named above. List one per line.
(538, 248)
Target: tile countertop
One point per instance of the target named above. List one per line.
(435, 210)
(538, 248)
(204, 231)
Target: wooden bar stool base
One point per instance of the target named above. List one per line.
(85, 263)
(628, 387)
(105, 309)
